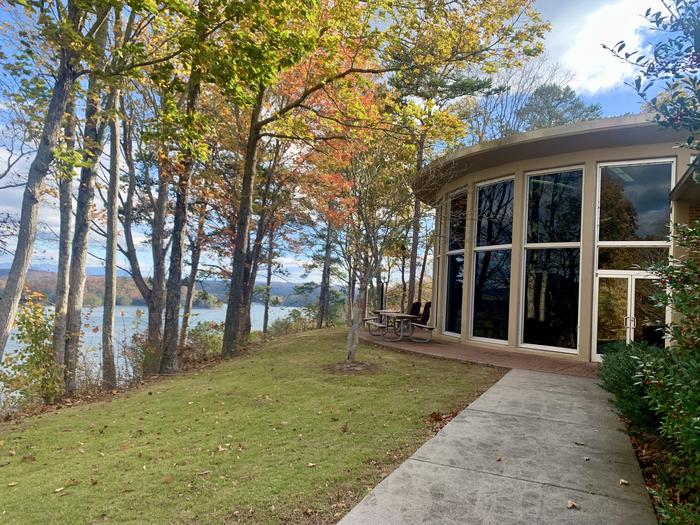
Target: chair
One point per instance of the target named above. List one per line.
(422, 324)
(415, 308)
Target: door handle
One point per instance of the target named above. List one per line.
(627, 319)
(633, 321)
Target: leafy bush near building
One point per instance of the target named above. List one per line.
(621, 375)
(667, 383)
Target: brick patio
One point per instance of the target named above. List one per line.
(487, 356)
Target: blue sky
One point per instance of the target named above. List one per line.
(579, 27)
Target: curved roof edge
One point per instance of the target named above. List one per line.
(601, 133)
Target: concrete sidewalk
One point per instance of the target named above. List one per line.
(518, 454)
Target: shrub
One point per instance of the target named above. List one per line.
(32, 372)
(620, 374)
(293, 323)
(672, 379)
(204, 341)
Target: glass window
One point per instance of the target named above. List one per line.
(495, 214)
(491, 294)
(635, 203)
(613, 258)
(554, 207)
(551, 297)
(453, 299)
(458, 221)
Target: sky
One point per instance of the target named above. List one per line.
(579, 28)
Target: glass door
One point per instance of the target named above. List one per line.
(613, 313)
(627, 312)
(648, 317)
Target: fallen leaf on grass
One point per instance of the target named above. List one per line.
(59, 489)
(12, 484)
(571, 504)
(29, 459)
(168, 478)
(311, 465)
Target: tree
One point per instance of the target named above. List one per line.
(426, 31)
(69, 34)
(668, 79)
(553, 105)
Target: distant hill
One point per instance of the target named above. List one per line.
(44, 281)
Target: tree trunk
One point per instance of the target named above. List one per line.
(65, 205)
(379, 287)
(324, 295)
(415, 228)
(268, 279)
(158, 250)
(358, 312)
(350, 293)
(238, 284)
(403, 283)
(109, 371)
(424, 263)
(93, 139)
(33, 190)
(173, 292)
(194, 268)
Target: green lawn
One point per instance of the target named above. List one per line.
(271, 437)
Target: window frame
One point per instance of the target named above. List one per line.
(549, 246)
(629, 244)
(494, 247)
(630, 274)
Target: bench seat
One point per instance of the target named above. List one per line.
(425, 327)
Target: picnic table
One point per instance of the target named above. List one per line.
(401, 323)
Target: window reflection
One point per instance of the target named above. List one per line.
(458, 221)
(491, 294)
(453, 301)
(614, 258)
(635, 203)
(554, 207)
(551, 297)
(495, 214)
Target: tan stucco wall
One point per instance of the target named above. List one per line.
(588, 160)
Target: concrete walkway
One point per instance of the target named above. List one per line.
(530, 445)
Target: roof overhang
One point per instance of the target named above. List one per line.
(688, 187)
(603, 133)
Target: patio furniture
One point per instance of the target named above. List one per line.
(377, 324)
(422, 324)
(401, 323)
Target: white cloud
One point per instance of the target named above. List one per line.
(596, 69)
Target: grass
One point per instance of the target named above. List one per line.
(270, 437)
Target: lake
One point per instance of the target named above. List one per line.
(132, 319)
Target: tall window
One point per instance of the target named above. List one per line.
(455, 263)
(634, 215)
(552, 253)
(492, 253)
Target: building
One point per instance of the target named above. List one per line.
(543, 237)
